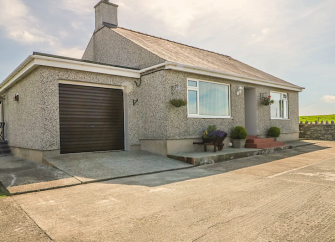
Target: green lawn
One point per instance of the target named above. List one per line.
(2, 194)
(318, 118)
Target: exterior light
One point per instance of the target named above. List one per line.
(16, 97)
(239, 91)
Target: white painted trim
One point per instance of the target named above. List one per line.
(84, 66)
(126, 120)
(23, 72)
(191, 88)
(209, 72)
(206, 116)
(153, 67)
(88, 84)
(284, 119)
(26, 67)
(34, 61)
(288, 102)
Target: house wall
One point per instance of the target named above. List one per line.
(33, 122)
(169, 125)
(23, 118)
(107, 46)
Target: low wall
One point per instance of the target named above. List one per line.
(317, 131)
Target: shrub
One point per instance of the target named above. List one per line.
(211, 128)
(178, 102)
(239, 132)
(274, 132)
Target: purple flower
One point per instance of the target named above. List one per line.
(217, 133)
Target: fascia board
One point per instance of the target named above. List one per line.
(20, 74)
(32, 62)
(83, 66)
(208, 72)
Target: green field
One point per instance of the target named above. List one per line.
(318, 118)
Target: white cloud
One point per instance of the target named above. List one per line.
(20, 25)
(75, 52)
(329, 99)
(79, 7)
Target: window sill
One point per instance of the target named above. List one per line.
(203, 116)
(280, 119)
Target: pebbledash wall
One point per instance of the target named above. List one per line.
(109, 47)
(166, 129)
(32, 123)
(317, 131)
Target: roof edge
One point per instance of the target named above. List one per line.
(40, 59)
(219, 74)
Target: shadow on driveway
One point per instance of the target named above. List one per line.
(257, 166)
(20, 176)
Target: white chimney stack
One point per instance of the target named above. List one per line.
(105, 14)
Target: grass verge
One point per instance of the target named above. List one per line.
(318, 118)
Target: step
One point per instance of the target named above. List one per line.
(6, 151)
(265, 145)
(4, 147)
(258, 141)
(252, 137)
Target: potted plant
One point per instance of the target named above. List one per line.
(178, 102)
(218, 137)
(266, 101)
(274, 132)
(239, 136)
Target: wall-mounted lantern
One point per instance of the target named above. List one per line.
(16, 97)
(239, 91)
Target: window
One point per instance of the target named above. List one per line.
(279, 109)
(208, 99)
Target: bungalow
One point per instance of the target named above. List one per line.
(117, 96)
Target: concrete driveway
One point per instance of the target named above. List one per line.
(284, 196)
(20, 176)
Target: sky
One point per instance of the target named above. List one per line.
(290, 39)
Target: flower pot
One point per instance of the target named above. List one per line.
(239, 143)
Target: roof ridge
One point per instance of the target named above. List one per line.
(229, 57)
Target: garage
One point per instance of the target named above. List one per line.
(91, 118)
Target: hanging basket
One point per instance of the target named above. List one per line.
(266, 101)
(178, 102)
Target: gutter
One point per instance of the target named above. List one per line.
(34, 61)
(213, 73)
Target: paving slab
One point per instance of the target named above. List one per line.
(97, 166)
(19, 175)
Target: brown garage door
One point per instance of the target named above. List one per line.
(91, 119)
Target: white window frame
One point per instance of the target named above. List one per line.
(190, 88)
(281, 99)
